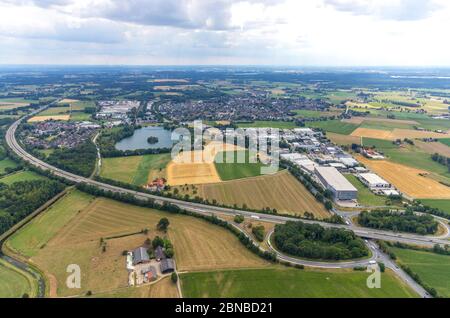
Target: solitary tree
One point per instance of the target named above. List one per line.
(163, 224)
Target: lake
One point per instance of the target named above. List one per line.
(139, 139)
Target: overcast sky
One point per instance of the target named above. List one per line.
(268, 32)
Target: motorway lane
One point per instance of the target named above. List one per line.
(207, 209)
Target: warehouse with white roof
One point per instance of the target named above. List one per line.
(373, 181)
(334, 181)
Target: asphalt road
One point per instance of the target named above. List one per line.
(208, 210)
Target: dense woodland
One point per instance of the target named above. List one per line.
(316, 242)
(80, 160)
(22, 198)
(403, 222)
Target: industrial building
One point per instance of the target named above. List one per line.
(373, 181)
(334, 181)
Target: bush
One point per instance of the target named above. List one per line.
(239, 219)
(259, 232)
(174, 277)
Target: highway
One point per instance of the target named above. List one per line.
(204, 209)
(208, 209)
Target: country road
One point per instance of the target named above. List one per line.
(204, 209)
(209, 209)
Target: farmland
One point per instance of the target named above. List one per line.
(443, 205)
(396, 133)
(280, 191)
(234, 170)
(433, 269)
(289, 283)
(137, 170)
(411, 181)
(7, 163)
(14, 284)
(268, 124)
(49, 117)
(198, 244)
(334, 126)
(409, 155)
(21, 176)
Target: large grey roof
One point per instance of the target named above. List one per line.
(140, 255)
(167, 264)
(335, 179)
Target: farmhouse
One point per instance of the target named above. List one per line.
(167, 265)
(334, 181)
(373, 181)
(140, 256)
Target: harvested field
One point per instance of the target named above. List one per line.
(198, 245)
(396, 133)
(433, 147)
(68, 101)
(408, 180)
(163, 288)
(52, 117)
(343, 139)
(372, 133)
(280, 191)
(187, 169)
(360, 120)
(169, 80)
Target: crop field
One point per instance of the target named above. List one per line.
(334, 126)
(410, 155)
(443, 205)
(7, 163)
(137, 170)
(21, 176)
(445, 141)
(163, 288)
(234, 170)
(35, 235)
(60, 110)
(394, 123)
(340, 139)
(197, 167)
(433, 147)
(14, 283)
(278, 282)
(280, 191)
(396, 133)
(268, 124)
(365, 196)
(304, 113)
(433, 269)
(50, 117)
(198, 244)
(408, 180)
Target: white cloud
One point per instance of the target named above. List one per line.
(313, 32)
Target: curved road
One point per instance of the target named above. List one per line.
(208, 210)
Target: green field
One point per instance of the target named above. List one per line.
(335, 126)
(433, 269)
(305, 113)
(289, 283)
(443, 205)
(385, 125)
(14, 284)
(135, 170)
(61, 110)
(408, 155)
(365, 196)
(31, 238)
(21, 176)
(445, 141)
(268, 124)
(230, 171)
(6, 163)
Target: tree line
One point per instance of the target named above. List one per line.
(316, 242)
(20, 199)
(398, 221)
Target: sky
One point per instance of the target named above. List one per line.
(226, 32)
